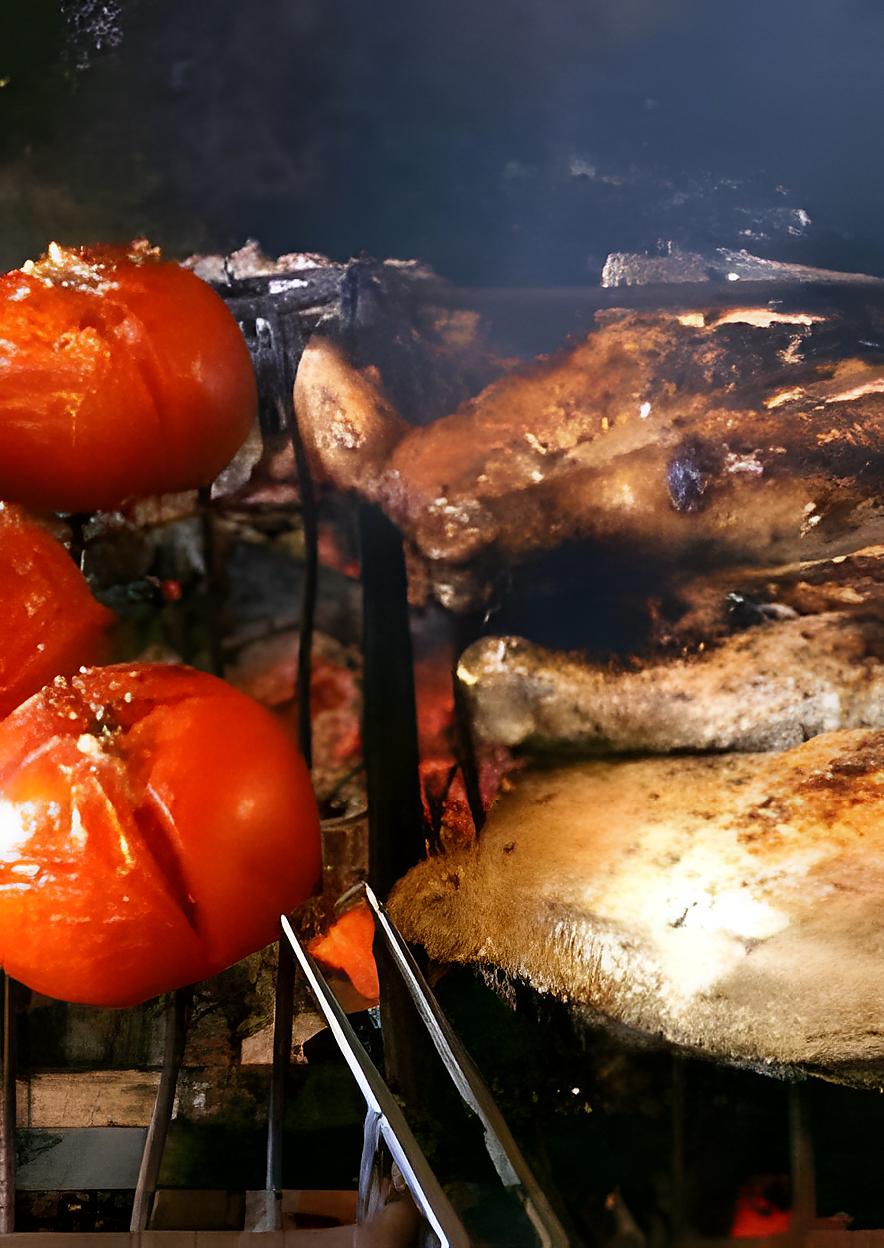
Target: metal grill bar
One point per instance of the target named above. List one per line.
(268, 319)
(802, 1164)
(396, 835)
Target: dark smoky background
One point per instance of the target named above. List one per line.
(504, 141)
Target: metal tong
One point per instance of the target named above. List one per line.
(385, 1121)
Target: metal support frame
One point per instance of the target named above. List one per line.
(177, 1017)
(802, 1164)
(269, 312)
(7, 1110)
(268, 319)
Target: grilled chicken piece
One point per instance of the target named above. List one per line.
(707, 607)
(732, 904)
(748, 435)
(348, 425)
(768, 688)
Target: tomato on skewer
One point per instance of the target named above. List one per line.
(121, 376)
(49, 622)
(154, 822)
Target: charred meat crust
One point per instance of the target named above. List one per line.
(752, 439)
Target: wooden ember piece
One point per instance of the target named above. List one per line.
(729, 904)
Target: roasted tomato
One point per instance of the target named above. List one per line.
(154, 822)
(121, 376)
(49, 622)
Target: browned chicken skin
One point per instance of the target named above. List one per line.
(768, 688)
(750, 436)
(730, 903)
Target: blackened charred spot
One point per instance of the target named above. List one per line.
(855, 775)
(745, 612)
(738, 360)
(686, 484)
(687, 479)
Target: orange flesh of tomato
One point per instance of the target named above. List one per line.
(347, 947)
(154, 823)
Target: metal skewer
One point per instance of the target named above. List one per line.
(506, 1157)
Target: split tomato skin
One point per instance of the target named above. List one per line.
(121, 376)
(50, 624)
(154, 823)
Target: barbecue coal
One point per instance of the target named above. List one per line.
(768, 688)
(730, 904)
(746, 435)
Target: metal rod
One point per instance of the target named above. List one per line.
(310, 521)
(283, 1018)
(177, 1017)
(214, 580)
(822, 287)
(7, 1111)
(466, 749)
(678, 1210)
(284, 986)
(396, 833)
(802, 1165)
(419, 1177)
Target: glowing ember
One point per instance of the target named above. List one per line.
(756, 1214)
